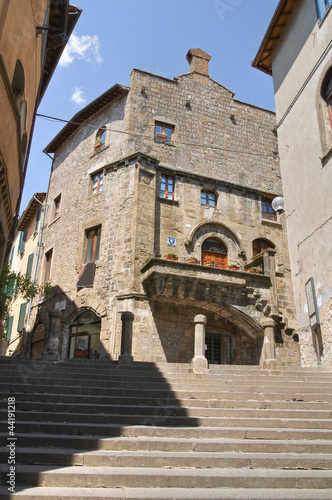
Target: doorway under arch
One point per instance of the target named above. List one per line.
(219, 347)
(84, 338)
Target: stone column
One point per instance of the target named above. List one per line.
(126, 357)
(269, 347)
(199, 361)
(51, 351)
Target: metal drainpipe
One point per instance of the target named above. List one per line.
(36, 264)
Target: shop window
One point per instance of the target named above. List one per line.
(48, 265)
(100, 138)
(167, 187)
(57, 203)
(92, 245)
(164, 133)
(214, 253)
(322, 7)
(267, 211)
(208, 198)
(259, 245)
(97, 183)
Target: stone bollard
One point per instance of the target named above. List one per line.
(199, 362)
(269, 359)
(51, 352)
(126, 357)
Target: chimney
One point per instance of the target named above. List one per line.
(199, 61)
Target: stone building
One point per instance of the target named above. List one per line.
(32, 38)
(177, 169)
(297, 52)
(23, 260)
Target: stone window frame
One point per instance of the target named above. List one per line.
(209, 193)
(100, 138)
(324, 110)
(56, 207)
(94, 247)
(48, 264)
(164, 126)
(269, 214)
(164, 193)
(96, 182)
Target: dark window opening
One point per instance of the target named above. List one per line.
(219, 348)
(92, 245)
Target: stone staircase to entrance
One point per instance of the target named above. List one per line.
(90, 429)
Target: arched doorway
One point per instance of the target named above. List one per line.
(84, 340)
(219, 347)
(38, 342)
(214, 253)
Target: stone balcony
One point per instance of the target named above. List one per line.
(240, 296)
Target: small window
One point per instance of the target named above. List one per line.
(96, 183)
(48, 265)
(29, 266)
(37, 221)
(167, 187)
(267, 211)
(21, 317)
(322, 7)
(100, 138)
(208, 199)
(57, 203)
(92, 245)
(259, 245)
(164, 133)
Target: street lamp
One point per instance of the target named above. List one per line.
(278, 205)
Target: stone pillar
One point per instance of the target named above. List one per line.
(199, 361)
(126, 357)
(269, 347)
(51, 351)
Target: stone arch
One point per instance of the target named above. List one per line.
(215, 229)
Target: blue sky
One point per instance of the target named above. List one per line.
(112, 37)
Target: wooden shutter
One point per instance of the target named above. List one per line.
(20, 324)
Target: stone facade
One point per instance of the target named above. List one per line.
(218, 149)
(301, 65)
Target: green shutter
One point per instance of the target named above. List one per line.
(21, 317)
(37, 221)
(22, 241)
(11, 255)
(29, 265)
(9, 326)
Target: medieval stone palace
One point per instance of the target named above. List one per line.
(159, 222)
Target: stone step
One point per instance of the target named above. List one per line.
(39, 399)
(166, 494)
(106, 429)
(259, 394)
(178, 383)
(125, 373)
(135, 477)
(173, 459)
(190, 435)
(66, 412)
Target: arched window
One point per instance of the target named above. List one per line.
(18, 87)
(100, 138)
(259, 245)
(18, 81)
(214, 253)
(327, 93)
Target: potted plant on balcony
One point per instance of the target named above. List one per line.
(254, 269)
(171, 256)
(233, 266)
(193, 260)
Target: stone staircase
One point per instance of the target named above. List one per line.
(90, 429)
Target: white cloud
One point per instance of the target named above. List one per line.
(78, 96)
(85, 47)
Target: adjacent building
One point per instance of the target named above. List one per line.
(297, 52)
(32, 37)
(23, 260)
(158, 218)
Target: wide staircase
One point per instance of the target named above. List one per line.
(91, 429)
